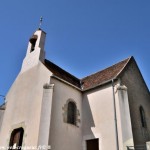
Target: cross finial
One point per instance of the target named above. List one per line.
(41, 19)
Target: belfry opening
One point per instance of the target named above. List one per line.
(33, 40)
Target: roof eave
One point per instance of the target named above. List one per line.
(56, 77)
(101, 84)
(121, 71)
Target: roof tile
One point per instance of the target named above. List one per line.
(104, 75)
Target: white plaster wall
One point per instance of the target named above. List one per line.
(45, 115)
(64, 136)
(24, 101)
(148, 145)
(123, 117)
(1, 117)
(98, 117)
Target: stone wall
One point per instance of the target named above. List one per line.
(139, 95)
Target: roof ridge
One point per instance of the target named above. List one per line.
(109, 67)
(124, 66)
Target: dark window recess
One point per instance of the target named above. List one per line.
(71, 113)
(142, 115)
(92, 144)
(33, 40)
(16, 139)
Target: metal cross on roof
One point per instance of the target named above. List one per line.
(41, 19)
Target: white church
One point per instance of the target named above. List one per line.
(48, 108)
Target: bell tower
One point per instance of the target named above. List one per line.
(35, 50)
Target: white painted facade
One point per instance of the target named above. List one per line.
(98, 105)
(70, 136)
(24, 99)
(37, 102)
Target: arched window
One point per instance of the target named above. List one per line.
(142, 115)
(33, 40)
(71, 113)
(16, 139)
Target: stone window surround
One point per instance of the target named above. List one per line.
(65, 111)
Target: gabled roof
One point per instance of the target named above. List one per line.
(104, 75)
(62, 74)
(90, 81)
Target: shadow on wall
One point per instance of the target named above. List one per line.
(87, 119)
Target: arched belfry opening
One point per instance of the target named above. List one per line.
(33, 40)
(35, 51)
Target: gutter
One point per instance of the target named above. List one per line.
(108, 81)
(81, 89)
(115, 115)
(66, 82)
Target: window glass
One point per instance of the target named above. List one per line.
(142, 115)
(71, 113)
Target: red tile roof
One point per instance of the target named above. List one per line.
(90, 81)
(104, 75)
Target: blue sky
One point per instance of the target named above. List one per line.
(83, 36)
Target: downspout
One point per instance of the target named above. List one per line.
(115, 115)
